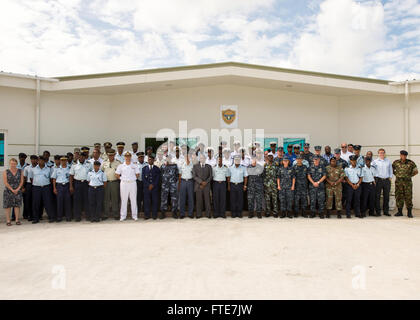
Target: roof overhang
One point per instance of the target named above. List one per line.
(208, 75)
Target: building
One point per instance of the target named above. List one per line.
(61, 113)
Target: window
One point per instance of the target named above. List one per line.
(1, 149)
(293, 141)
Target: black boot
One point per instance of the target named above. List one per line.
(250, 215)
(266, 214)
(296, 214)
(328, 214)
(339, 214)
(282, 214)
(162, 215)
(321, 215)
(303, 213)
(348, 215)
(289, 214)
(399, 213)
(259, 215)
(174, 215)
(275, 215)
(409, 212)
(312, 215)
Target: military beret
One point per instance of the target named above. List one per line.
(63, 158)
(107, 144)
(357, 147)
(273, 143)
(57, 157)
(22, 155)
(316, 157)
(97, 144)
(120, 144)
(404, 153)
(127, 154)
(34, 157)
(76, 150)
(317, 147)
(337, 150)
(96, 163)
(353, 157)
(306, 145)
(280, 148)
(140, 153)
(111, 152)
(134, 143)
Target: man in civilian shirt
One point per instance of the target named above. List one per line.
(345, 154)
(328, 155)
(383, 179)
(368, 188)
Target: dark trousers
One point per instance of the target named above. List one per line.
(41, 197)
(236, 199)
(53, 201)
(199, 195)
(382, 185)
(140, 195)
(96, 201)
(353, 196)
(186, 192)
(80, 199)
(27, 201)
(151, 201)
(368, 197)
(219, 198)
(63, 201)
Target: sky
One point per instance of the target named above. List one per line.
(375, 39)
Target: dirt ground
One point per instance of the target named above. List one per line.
(372, 258)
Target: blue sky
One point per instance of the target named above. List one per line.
(378, 39)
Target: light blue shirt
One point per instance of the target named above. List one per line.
(61, 175)
(185, 170)
(237, 174)
(383, 168)
(22, 167)
(353, 174)
(220, 173)
(141, 166)
(120, 157)
(96, 178)
(80, 171)
(41, 177)
(368, 174)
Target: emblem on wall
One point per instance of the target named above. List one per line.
(229, 116)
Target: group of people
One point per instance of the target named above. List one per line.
(274, 182)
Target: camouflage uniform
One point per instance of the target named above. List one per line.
(255, 188)
(301, 187)
(403, 172)
(334, 174)
(322, 162)
(169, 174)
(308, 156)
(286, 176)
(317, 195)
(270, 187)
(343, 163)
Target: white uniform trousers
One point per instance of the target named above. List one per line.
(128, 189)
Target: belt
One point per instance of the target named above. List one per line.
(47, 185)
(381, 178)
(63, 184)
(219, 181)
(113, 180)
(186, 179)
(128, 181)
(81, 181)
(368, 182)
(236, 183)
(95, 187)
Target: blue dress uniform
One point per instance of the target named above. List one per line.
(186, 191)
(286, 176)
(220, 175)
(62, 177)
(368, 190)
(317, 194)
(41, 192)
(237, 176)
(96, 181)
(80, 171)
(353, 195)
(151, 176)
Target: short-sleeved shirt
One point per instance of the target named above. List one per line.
(353, 174)
(220, 173)
(61, 175)
(41, 177)
(368, 174)
(96, 178)
(141, 166)
(128, 172)
(109, 169)
(237, 174)
(26, 173)
(80, 170)
(185, 170)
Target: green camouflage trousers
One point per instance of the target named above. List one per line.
(404, 192)
(338, 193)
(270, 194)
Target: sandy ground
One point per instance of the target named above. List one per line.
(373, 258)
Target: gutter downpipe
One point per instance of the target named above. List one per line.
(37, 113)
(406, 116)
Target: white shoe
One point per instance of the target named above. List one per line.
(122, 219)
(135, 219)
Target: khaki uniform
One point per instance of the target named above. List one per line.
(112, 189)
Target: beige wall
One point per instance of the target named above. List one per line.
(69, 120)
